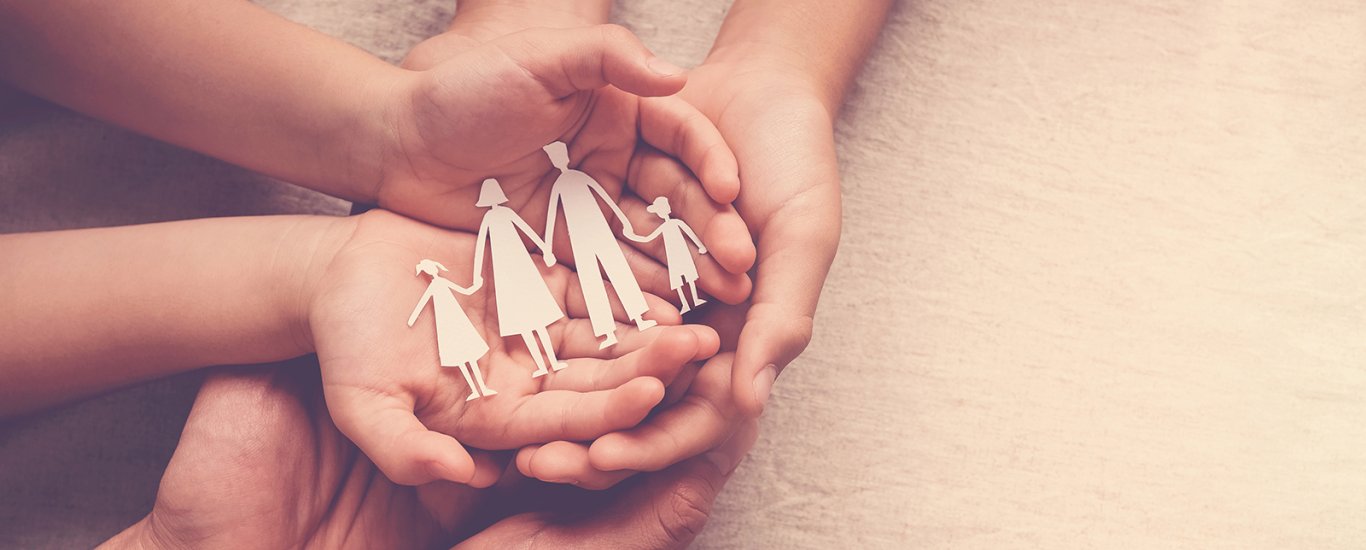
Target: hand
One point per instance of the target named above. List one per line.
(386, 391)
(612, 137)
(701, 250)
(259, 461)
(783, 138)
(549, 259)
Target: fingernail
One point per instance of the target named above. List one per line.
(763, 384)
(662, 67)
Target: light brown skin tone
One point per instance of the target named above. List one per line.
(293, 285)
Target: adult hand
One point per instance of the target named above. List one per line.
(259, 461)
(616, 135)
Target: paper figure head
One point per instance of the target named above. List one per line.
(491, 194)
(429, 267)
(559, 154)
(660, 207)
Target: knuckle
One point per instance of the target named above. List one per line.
(686, 511)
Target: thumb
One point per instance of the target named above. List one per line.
(588, 58)
(385, 429)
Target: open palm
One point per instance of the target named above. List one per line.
(386, 391)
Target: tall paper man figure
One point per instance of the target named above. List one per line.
(458, 343)
(682, 270)
(596, 250)
(525, 305)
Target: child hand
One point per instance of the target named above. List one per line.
(386, 390)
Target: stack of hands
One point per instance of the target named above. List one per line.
(378, 447)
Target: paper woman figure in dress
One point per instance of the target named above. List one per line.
(525, 305)
(596, 250)
(682, 270)
(457, 342)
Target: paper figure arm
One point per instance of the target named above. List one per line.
(701, 248)
(483, 237)
(462, 289)
(421, 304)
(535, 239)
(625, 223)
(652, 236)
(551, 212)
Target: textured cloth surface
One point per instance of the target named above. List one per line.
(1102, 284)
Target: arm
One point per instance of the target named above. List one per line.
(551, 213)
(463, 290)
(701, 248)
(426, 297)
(625, 223)
(477, 277)
(92, 309)
(226, 78)
(535, 239)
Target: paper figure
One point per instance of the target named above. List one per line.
(458, 343)
(596, 250)
(682, 270)
(525, 305)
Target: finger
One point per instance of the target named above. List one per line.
(702, 420)
(796, 248)
(678, 129)
(731, 288)
(567, 415)
(488, 468)
(665, 510)
(588, 58)
(384, 428)
(658, 309)
(654, 174)
(565, 462)
(669, 351)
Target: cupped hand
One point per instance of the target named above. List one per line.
(589, 101)
(260, 463)
(387, 392)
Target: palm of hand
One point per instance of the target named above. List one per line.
(385, 388)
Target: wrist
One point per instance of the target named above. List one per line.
(353, 152)
(302, 255)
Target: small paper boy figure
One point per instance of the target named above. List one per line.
(681, 267)
(458, 343)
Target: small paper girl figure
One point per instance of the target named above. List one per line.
(457, 342)
(681, 267)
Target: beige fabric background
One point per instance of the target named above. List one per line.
(1103, 284)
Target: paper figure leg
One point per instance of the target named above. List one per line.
(628, 290)
(696, 298)
(465, 371)
(479, 377)
(535, 349)
(555, 363)
(683, 300)
(595, 298)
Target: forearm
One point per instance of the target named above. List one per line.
(488, 19)
(88, 310)
(821, 41)
(223, 77)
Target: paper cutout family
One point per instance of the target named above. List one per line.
(523, 301)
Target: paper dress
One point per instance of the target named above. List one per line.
(525, 305)
(682, 269)
(596, 250)
(458, 343)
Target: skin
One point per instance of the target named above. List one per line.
(416, 140)
(282, 476)
(773, 84)
(294, 285)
